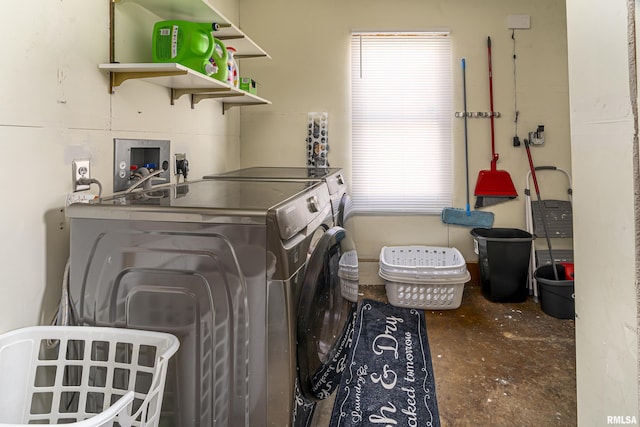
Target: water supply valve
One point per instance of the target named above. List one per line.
(537, 137)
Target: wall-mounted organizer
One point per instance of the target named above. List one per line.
(318, 140)
(130, 155)
(180, 79)
(477, 114)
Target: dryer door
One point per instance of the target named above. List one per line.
(345, 209)
(326, 313)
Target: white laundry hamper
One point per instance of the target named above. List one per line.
(83, 376)
(423, 277)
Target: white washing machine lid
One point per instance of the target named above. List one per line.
(326, 313)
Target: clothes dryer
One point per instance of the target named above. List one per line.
(238, 271)
(334, 177)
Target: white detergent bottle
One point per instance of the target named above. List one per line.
(233, 76)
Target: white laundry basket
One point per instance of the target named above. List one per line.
(348, 274)
(83, 376)
(423, 277)
(422, 262)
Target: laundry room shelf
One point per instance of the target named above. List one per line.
(202, 11)
(182, 81)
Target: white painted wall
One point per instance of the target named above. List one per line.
(56, 107)
(310, 71)
(602, 131)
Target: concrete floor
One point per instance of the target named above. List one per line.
(496, 364)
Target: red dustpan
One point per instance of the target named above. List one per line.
(493, 186)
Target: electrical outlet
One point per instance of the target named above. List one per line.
(537, 137)
(182, 165)
(180, 158)
(80, 169)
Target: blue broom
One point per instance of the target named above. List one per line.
(466, 217)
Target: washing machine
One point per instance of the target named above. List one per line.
(252, 278)
(341, 202)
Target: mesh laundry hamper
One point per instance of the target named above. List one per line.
(426, 277)
(83, 376)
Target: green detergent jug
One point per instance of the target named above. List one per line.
(188, 43)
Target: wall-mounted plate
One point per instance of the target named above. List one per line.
(132, 154)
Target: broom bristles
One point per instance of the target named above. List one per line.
(483, 201)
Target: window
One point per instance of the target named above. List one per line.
(401, 122)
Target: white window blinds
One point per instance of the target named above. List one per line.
(401, 122)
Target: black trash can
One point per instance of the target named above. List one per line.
(557, 297)
(503, 257)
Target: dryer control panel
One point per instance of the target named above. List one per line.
(310, 209)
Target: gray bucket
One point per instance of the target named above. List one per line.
(557, 297)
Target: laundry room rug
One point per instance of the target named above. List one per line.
(388, 379)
